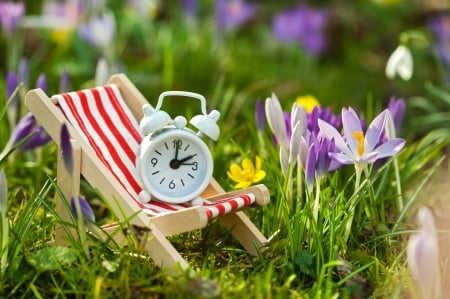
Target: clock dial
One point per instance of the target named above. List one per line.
(176, 166)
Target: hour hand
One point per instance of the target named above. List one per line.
(187, 158)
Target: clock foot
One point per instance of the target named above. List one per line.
(196, 202)
(144, 196)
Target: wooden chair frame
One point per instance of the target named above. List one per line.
(99, 177)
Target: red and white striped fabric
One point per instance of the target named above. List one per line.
(102, 118)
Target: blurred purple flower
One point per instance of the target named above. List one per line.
(11, 14)
(66, 148)
(259, 116)
(232, 14)
(64, 82)
(397, 109)
(23, 72)
(41, 82)
(26, 126)
(356, 147)
(304, 25)
(12, 82)
(99, 31)
(325, 114)
(86, 210)
(439, 25)
(310, 167)
(190, 7)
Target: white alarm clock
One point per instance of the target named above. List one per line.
(174, 164)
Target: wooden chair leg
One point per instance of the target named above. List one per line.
(242, 228)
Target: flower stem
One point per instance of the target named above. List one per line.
(399, 186)
(348, 227)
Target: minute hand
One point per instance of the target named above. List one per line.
(186, 158)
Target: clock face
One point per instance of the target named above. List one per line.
(175, 166)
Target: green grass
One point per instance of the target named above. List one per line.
(307, 257)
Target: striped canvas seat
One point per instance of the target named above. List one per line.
(102, 118)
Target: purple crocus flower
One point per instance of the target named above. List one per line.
(99, 30)
(86, 210)
(11, 14)
(66, 149)
(357, 147)
(25, 127)
(318, 160)
(304, 25)
(232, 14)
(325, 114)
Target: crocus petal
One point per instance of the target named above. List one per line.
(330, 132)
(303, 152)
(298, 116)
(294, 146)
(37, 139)
(369, 157)
(275, 119)
(390, 148)
(351, 124)
(374, 131)
(341, 158)
(310, 167)
(390, 126)
(86, 210)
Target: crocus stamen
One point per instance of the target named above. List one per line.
(359, 136)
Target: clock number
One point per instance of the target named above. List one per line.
(154, 161)
(172, 184)
(194, 166)
(177, 143)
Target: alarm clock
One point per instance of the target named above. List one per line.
(174, 164)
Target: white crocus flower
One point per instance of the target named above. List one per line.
(423, 255)
(400, 63)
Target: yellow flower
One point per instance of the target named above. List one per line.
(248, 174)
(308, 102)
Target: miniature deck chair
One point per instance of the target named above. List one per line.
(103, 124)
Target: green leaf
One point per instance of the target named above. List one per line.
(304, 261)
(437, 92)
(52, 258)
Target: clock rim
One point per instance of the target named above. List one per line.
(150, 142)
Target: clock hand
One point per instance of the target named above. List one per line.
(176, 151)
(186, 158)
